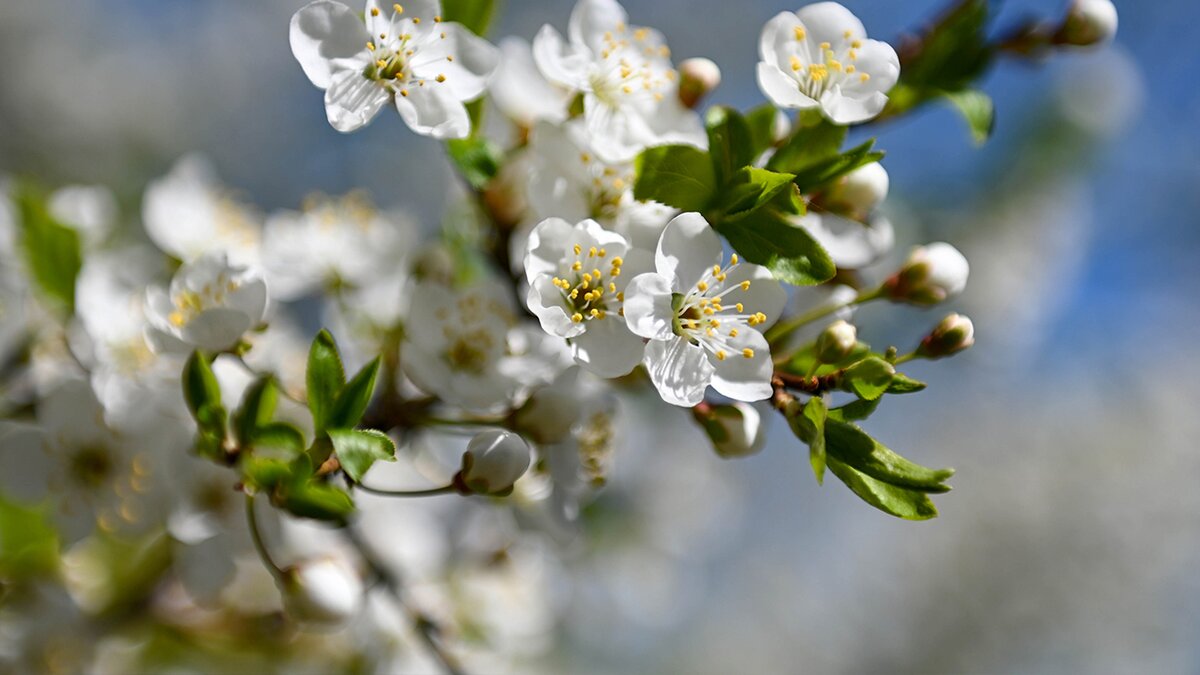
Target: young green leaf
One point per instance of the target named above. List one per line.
(761, 123)
(903, 384)
(318, 501)
(51, 250)
(357, 450)
(751, 188)
(355, 396)
(766, 237)
(278, 435)
(729, 141)
(854, 447)
(859, 409)
(978, 110)
(870, 377)
(815, 411)
(830, 169)
(325, 378)
(257, 409)
(676, 175)
(808, 147)
(896, 501)
(200, 388)
(476, 15)
(28, 542)
(476, 158)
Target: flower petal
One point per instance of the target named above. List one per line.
(778, 39)
(323, 31)
(741, 378)
(679, 370)
(781, 89)
(547, 244)
(475, 59)
(352, 101)
(765, 294)
(687, 250)
(434, 111)
(842, 109)
(545, 301)
(591, 19)
(607, 348)
(561, 63)
(648, 310)
(520, 90)
(829, 22)
(216, 329)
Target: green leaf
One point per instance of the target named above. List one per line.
(815, 412)
(870, 377)
(802, 361)
(358, 450)
(761, 124)
(52, 250)
(681, 176)
(28, 542)
(953, 53)
(476, 158)
(752, 189)
(257, 409)
(809, 146)
(319, 501)
(855, 448)
(977, 109)
(279, 435)
(352, 402)
(730, 143)
(200, 388)
(325, 378)
(859, 409)
(903, 384)
(899, 502)
(476, 15)
(766, 237)
(830, 169)
(265, 473)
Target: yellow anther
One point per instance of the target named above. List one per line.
(595, 313)
(370, 46)
(641, 34)
(176, 319)
(853, 55)
(857, 44)
(574, 293)
(850, 70)
(739, 307)
(799, 32)
(578, 249)
(796, 64)
(733, 259)
(848, 34)
(665, 51)
(612, 288)
(627, 89)
(374, 11)
(864, 77)
(824, 46)
(710, 332)
(733, 332)
(440, 78)
(748, 353)
(721, 277)
(437, 19)
(383, 36)
(404, 92)
(416, 20)
(836, 65)
(745, 285)
(449, 58)
(397, 8)
(602, 253)
(617, 261)
(702, 287)
(577, 266)
(762, 318)
(621, 296)
(577, 317)
(601, 314)
(618, 183)
(596, 275)
(584, 284)
(626, 71)
(380, 63)
(587, 276)
(716, 270)
(721, 355)
(709, 311)
(443, 36)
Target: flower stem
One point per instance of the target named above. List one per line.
(784, 329)
(260, 546)
(905, 358)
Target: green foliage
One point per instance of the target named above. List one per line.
(903, 384)
(28, 542)
(303, 494)
(200, 388)
(257, 409)
(477, 159)
(977, 109)
(855, 448)
(352, 401)
(277, 435)
(324, 378)
(767, 237)
(730, 142)
(761, 122)
(476, 15)
(815, 414)
(749, 189)
(681, 176)
(859, 409)
(808, 146)
(899, 502)
(51, 250)
(870, 377)
(805, 358)
(358, 450)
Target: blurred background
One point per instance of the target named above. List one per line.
(1072, 536)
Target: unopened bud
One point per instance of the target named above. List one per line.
(861, 190)
(954, 334)
(697, 77)
(322, 590)
(735, 430)
(493, 462)
(836, 342)
(1088, 23)
(932, 274)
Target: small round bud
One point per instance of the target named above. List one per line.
(735, 430)
(954, 334)
(493, 461)
(1089, 22)
(932, 274)
(861, 190)
(322, 590)
(697, 77)
(836, 342)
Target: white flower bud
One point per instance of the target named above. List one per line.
(836, 342)
(697, 77)
(932, 274)
(494, 460)
(861, 190)
(322, 590)
(1089, 22)
(954, 334)
(735, 430)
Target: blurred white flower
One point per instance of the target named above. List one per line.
(90, 209)
(630, 90)
(493, 461)
(703, 319)
(405, 56)
(860, 191)
(736, 430)
(209, 305)
(820, 57)
(849, 243)
(931, 274)
(188, 213)
(520, 90)
(577, 276)
(322, 590)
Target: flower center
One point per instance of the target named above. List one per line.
(609, 185)
(475, 331)
(630, 67)
(828, 67)
(190, 303)
(395, 49)
(586, 293)
(703, 318)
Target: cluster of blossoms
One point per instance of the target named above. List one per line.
(504, 370)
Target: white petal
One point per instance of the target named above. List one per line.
(251, 299)
(841, 109)
(546, 302)
(617, 134)
(765, 294)
(849, 243)
(687, 250)
(474, 61)
(781, 89)
(591, 19)
(879, 60)
(776, 43)
(323, 31)
(352, 101)
(741, 378)
(607, 348)
(424, 10)
(647, 306)
(216, 329)
(520, 90)
(679, 370)
(829, 22)
(434, 111)
(547, 244)
(560, 62)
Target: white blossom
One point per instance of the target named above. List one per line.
(703, 318)
(188, 213)
(931, 274)
(493, 461)
(577, 276)
(323, 590)
(91, 210)
(820, 57)
(849, 243)
(399, 55)
(209, 305)
(630, 90)
(736, 430)
(520, 90)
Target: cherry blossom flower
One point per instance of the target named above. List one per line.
(630, 90)
(402, 55)
(520, 90)
(188, 213)
(703, 318)
(820, 57)
(209, 305)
